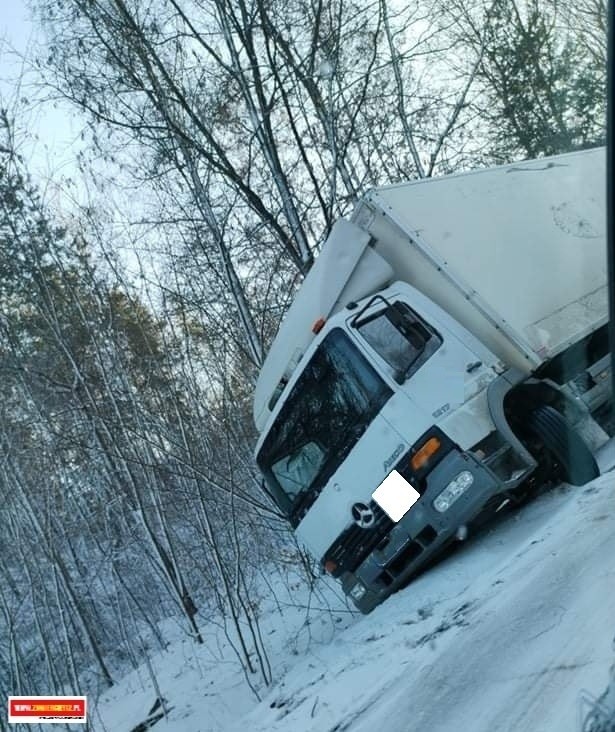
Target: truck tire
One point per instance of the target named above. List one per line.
(578, 465)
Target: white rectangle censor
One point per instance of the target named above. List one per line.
(395, 496)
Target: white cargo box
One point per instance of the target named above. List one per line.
(517, 253)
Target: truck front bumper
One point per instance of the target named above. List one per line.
(422, 533)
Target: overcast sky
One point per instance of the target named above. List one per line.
(48, 134)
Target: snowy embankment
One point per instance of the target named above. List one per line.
(511, 633)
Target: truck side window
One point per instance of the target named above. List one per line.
(400, 337)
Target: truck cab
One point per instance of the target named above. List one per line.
(391, 387)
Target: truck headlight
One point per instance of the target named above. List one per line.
(357, 591)
(457, 487)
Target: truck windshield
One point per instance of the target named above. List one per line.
(329, 407)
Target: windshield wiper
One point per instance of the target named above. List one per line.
(304, 500)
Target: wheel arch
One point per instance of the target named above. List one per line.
(498, 393)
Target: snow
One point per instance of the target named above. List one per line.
(510, 632)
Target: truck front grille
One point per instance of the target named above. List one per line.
(354, 543)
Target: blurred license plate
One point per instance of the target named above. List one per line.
(395, 496)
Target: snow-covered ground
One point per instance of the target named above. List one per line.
(510, 633)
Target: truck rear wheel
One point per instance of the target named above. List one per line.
(576, 462)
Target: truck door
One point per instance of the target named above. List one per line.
(433, 369)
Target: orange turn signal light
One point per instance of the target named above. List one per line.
(318, 325)
(330, 566)
(422, 455)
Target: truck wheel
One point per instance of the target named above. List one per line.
(577, 464)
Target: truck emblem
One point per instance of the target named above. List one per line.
(443, 410)
(363, 515)
(390, 460)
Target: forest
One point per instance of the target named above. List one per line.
(219, 141)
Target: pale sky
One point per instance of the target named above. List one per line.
(46, 135)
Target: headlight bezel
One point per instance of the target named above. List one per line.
(453, 491)
(358, 592)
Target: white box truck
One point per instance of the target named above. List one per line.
(447, 352)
